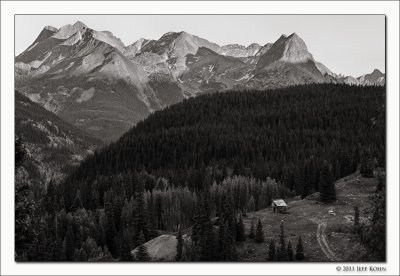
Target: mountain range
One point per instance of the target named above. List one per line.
(91, 80)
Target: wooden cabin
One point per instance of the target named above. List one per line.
(279, 205)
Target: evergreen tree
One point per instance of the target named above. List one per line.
(126, 255)
(228, 214)
(356, 226)
(20, 153)
(227, 247)
(240, 235)
(290, 251)
(299, 250)
(139, 220)
(179, 246)
(26, 234)
(50, 199)
(110, 229)
(272, 251)
(77, 204)
(142, 255)
(251, 207)
(252, 234)
(327, 184)
(373, 233)
(202, 234)
(106, 256)
(282, 251)
(69, 245)
(367, 167)
(259, 233)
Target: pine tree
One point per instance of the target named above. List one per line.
(142, 255)
(126, 255)
(259, 233)
(227, 247)
(49, 201)
(240, 235)
(282, 251)
(106, 256)
(228, 214)
(77, 204)
(202, 234)
(251, 207)
(25, 209)
(69, 244)
(272, 251)
(290, 251)
(366, 167)
(299, 250)
(356, 226)
(373, 234)
(110, 229)
(179, 246)
(252, 234)
(326, 183)
(139, 220)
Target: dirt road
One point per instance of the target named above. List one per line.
(324, 243)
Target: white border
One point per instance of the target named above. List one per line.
(8, 9)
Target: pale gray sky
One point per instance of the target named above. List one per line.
(347, 44)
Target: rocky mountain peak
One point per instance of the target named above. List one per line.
(253, 45)
(68, 30)
(374, 78)
(80, 25)
(377, 72)
(296, 50)
(290, 49)
(282, 37)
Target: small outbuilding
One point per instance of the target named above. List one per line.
(279, 205)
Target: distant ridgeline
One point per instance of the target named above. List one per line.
(285, 134)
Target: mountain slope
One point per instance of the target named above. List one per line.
(89, 82)
(209, 72)
(52, 144)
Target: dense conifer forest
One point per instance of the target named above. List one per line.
(214, 156)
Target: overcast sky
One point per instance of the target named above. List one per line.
(347, 44)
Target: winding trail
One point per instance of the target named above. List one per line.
(323, 243)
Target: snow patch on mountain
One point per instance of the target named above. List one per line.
(86, 95)
(51, 28)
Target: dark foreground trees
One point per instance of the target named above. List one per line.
(327, 183)
(372, 232)
(259, 232)
(299, 250)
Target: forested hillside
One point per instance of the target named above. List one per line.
(210, 156)
(52, 144)
(285, 134)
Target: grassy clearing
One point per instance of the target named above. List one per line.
(302, 218)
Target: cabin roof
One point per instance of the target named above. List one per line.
(279, 202)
